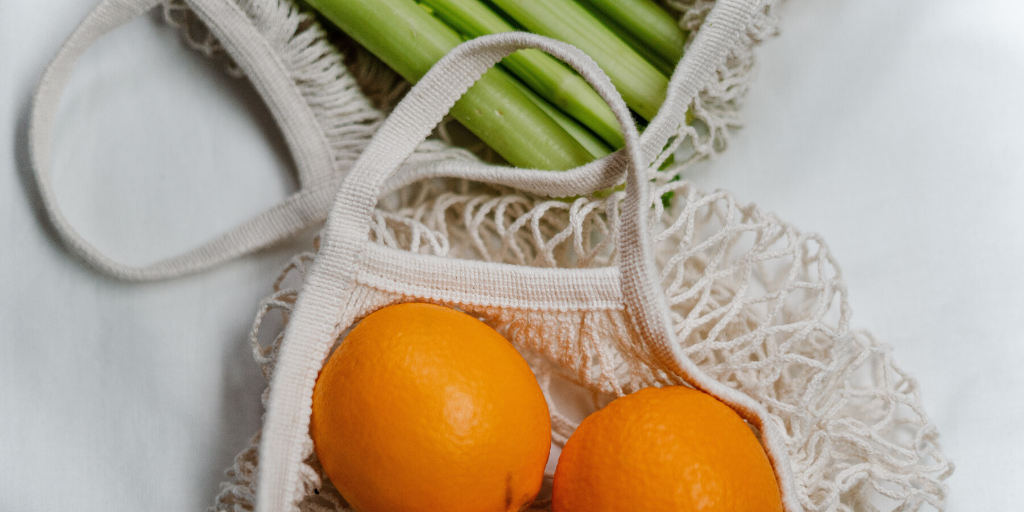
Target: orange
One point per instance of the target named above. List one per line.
(660, 450)
(424, 408)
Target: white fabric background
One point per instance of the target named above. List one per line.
(894, 129)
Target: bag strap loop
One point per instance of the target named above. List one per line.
(305, 138)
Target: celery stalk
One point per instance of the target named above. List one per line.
(410, 41)
(548, 77)
(594, 145)
(641, 84)
(651, 24)
(633, 41)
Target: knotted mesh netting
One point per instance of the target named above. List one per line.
(756, 304)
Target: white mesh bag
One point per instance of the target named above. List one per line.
(611, 292)
(710, 294)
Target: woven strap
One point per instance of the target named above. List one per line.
(250, 50)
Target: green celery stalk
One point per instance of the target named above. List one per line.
(547, 76)
(641, 84)
(649, 23)
(594, 145)
(633, 41)
(410, 41)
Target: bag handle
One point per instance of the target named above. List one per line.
(306, 140)
(319, 314)
(425, 106)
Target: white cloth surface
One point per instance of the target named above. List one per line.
(893, 129)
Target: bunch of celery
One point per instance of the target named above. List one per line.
(532, 110)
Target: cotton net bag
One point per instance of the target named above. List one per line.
(657, 284)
